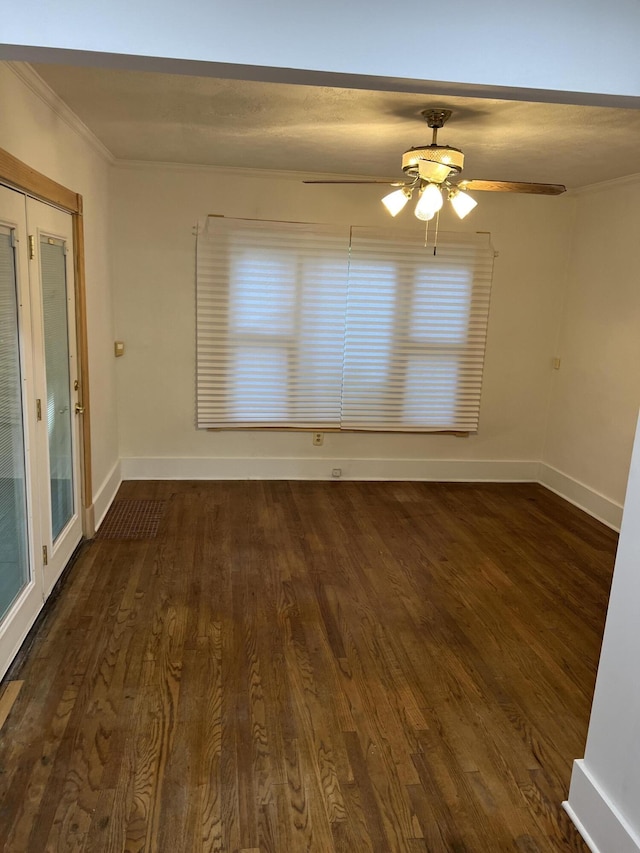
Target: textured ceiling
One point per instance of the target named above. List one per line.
(181, 119)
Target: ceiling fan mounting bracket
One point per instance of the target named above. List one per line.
(436, 117)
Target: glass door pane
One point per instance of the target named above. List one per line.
(14, 549)
(58, 404)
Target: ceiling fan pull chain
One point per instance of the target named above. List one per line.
(435, 240)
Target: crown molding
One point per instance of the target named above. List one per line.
(34, 82)
(601, 186)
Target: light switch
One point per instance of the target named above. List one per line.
(118, 348)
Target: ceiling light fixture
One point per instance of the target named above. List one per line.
(430, 199)
(430, 167)
(434, 171)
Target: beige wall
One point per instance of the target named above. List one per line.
(596, 393)
(154, 210)
(39, 136)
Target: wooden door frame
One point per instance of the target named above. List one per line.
(17, 175)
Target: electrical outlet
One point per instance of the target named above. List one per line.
(318, 438)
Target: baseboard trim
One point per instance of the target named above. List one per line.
(305, 468)
(579, 826)
(451, 470)
(106, 493)
(595, 816)
(599, 506)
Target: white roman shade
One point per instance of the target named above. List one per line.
(271, 300)
(416, 331)
(322, 327)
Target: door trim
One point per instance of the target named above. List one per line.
(18, 175)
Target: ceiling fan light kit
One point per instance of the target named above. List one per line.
(430, 170)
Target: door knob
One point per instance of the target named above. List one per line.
(79, 409)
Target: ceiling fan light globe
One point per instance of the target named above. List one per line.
(395, 201)
(437, 172)
(423, 216)
(429, 203)
(462, 203)
(432, 162)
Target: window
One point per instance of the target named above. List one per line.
(311, 326)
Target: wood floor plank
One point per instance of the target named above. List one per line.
(7, 698)
(313, 667)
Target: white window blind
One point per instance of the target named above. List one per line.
(416, 330)
(271, 300)
(311, 326)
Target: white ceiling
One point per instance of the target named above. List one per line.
(202, 120)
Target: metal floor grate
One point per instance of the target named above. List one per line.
(132, 520)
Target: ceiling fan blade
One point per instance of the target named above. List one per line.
(513, 187)
(386, 183)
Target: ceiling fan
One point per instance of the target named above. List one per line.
(433, 171)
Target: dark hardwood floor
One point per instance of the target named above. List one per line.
(313, 667)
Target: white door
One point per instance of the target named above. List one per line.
(21, 577)
(56, 379)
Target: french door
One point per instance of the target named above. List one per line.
(40, 518)
(56, 382)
